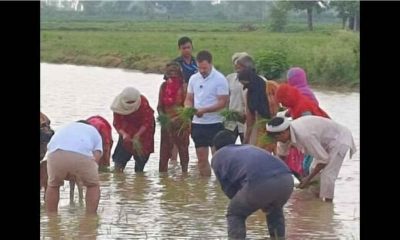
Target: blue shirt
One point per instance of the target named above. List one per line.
(187, 69)
(235, 165)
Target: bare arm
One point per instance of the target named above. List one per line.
(189, 100)
(305, 181)
(221, 103)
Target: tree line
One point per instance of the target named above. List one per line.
(275, 13)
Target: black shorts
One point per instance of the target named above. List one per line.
(203, 134)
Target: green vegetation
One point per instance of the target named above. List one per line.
(230, 115)
(329, 55)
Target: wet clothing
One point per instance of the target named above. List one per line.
(253, 179)
(121, 157)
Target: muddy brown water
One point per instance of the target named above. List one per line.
(176, 206)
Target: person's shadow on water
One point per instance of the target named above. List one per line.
(308, 217)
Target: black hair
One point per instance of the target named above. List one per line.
(223, 138)
(204, 56)
(184, 40)
(276, 121)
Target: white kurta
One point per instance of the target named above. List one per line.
(236, 101)
(325, 140)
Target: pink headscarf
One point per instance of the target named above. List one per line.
(297, 78)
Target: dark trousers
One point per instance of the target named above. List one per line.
(122, 156)
(270, 195)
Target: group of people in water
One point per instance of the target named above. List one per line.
(282, 129)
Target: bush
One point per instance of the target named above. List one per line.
(336, 65)
(272, 64)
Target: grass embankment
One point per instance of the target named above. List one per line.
(329, 55)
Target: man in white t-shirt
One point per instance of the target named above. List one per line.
(75, 149)
(208, 92)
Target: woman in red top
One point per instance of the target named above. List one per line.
(104, 129)
(135, 124)
(171, 96)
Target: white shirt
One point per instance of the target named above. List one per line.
(237, 101)
(320, 137)
(76, 137)
(205, 91)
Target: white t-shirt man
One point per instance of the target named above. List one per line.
(205, 92)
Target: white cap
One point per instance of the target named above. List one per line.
(282, 127)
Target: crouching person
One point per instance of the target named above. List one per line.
(252, 179)
(135, 124)
(325, 140)
(75, 149)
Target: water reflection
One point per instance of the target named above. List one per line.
(175, 205)
(307, 212)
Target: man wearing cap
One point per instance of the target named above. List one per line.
(325, 140)
(252, 179)
(135, 124)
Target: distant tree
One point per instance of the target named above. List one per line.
(306, 5)
(341, 8)
(354, 15)
(278, 12)
(349, 11)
